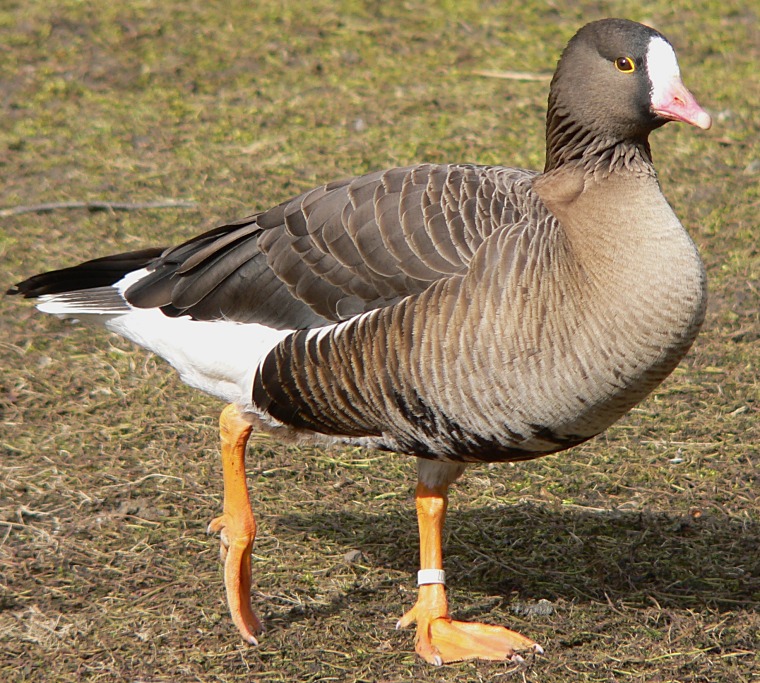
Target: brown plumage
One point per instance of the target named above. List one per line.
(457, 313)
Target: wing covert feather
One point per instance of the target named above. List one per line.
(338, 250)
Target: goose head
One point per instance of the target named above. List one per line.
(615, 83)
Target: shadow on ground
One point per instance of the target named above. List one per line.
(637, 558)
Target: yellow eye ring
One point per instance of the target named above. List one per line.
(625, 65)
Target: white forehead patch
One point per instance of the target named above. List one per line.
(662, 67)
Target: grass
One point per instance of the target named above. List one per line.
(644, 541)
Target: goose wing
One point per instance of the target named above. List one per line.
(336, 251)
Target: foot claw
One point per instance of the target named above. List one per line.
(517, 659)
(219, 525)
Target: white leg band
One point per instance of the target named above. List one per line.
(428, 576)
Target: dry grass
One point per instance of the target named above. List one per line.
(642, 545)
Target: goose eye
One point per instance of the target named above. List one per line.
(625, 65)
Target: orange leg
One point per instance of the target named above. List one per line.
(236, 524)
(440, 639)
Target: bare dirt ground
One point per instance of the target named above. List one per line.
(633, 558)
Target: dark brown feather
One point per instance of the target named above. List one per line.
(99, 272)
(335, 251)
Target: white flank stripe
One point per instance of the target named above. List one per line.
(321, 332)
(129, 279)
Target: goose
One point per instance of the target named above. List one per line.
(457, 313)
